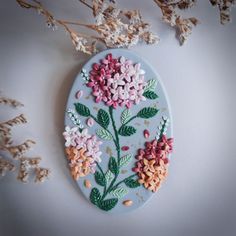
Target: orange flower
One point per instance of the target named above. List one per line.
(153, 174)
(80, 164)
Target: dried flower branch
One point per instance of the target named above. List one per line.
(182, 25)
(17, 151)
(10, 102)
(116, 28)
(5, 166)
(224, 7)
(15, 121)
(41, 174)
(120, 28)
(26, 164)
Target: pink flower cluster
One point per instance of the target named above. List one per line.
(85, 141)
(152, 163)
(117, 81)
(156, 149)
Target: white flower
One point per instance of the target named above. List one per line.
(116, 81)
(70, 135)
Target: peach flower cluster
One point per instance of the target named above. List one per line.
(82, 151)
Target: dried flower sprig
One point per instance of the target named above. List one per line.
(115, 27)
(41, 174)
(182, 25)
(5, 166)
(10, 102)
(224, 7)
(17, 151)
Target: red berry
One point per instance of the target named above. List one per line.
(125, 148)
(146, 133)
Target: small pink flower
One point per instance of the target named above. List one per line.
(79, 94)
(166, 144)
(90, 122)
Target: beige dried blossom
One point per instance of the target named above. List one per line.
(5, 166)
(182, 25)
(41, 174)
(115, 27)
(10, 102)
(26, 164)
(5, 136)
(224, 7)
(121, 28)
(21, 119)
(5, 131)
(17, 151)
(117, 32)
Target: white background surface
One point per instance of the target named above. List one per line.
(38, 67)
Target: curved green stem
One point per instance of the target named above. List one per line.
(108, 189)
(129, 120)
(117, 143)
(114, 187)
(100, 168)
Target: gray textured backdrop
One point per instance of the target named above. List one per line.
(38, 67)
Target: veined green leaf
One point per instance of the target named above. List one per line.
(147, 112)
(103, 118)
(108, 204)
(131, 183)
(108, 176)
(151, 85)
(113, 167)
(150, 95)
(100, 179)
(126, 130)
(95, 196)
(82, 109)
(119, 192)
(125, 160)
(125, 116)
(103, 134)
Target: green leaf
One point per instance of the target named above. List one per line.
(125, 160)
(112, 165)
(147, 112)
(108, 204)
(95, 196)
(108, 176)
(151, 85)
(119, 192)
(100, 179)
(82, 109)
(131, 183)
(126, 130)
(125, 116)
(103, 134)
(103, 118)
(150, 95)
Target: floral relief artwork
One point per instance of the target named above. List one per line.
(115, 161)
